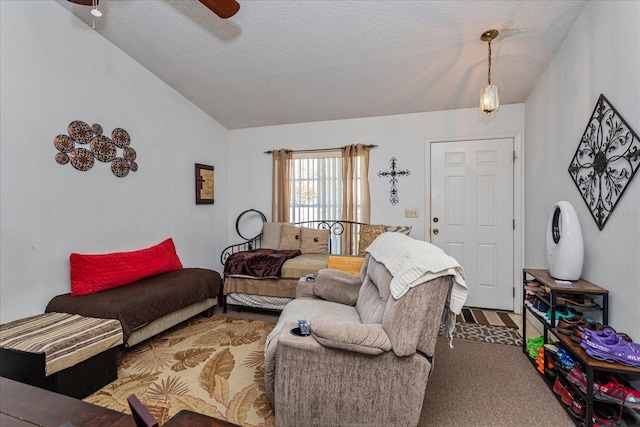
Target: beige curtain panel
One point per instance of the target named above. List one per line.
(356, 202)
(281, 185)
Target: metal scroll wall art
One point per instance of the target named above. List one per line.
(394, 174)
(100, 147)
(606, 161)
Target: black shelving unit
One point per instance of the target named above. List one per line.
(591, 365)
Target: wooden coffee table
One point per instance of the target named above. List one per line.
(25, 405)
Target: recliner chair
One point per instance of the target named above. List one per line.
(368, 358)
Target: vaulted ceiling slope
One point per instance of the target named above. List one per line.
(281, 62)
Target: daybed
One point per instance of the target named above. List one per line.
(148, 291)
(372, 342)
(256, 275)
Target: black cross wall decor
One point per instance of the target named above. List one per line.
(393, 197)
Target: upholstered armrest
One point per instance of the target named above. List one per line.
(333, 332)
(337, 286)
(305, 289)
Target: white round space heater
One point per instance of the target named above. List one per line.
(565, 247)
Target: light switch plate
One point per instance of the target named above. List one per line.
(411, 213)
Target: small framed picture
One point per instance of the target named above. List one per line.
(204, 184)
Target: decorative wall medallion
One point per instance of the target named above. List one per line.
(81, 159)
(606, 160)
(80, 132)
(393, 196)
(120, 167)
(121, 137)
(96, 128)
(101, 147)
(129, 154)
(62, 158)
(64, 143)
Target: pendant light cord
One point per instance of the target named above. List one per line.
(489, 74)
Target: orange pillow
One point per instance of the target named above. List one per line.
(95, 273)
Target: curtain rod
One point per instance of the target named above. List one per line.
(320, 149)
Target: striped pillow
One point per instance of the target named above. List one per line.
(404, 229)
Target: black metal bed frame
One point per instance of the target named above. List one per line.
(337, 229)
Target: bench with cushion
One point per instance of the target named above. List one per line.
(65, 353)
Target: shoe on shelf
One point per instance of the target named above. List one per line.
(575, 299)
(534, 345)
(560, 388)
(566, 359)
(605, 415)
(529, 299)
(533, 287)
(539, 307)
(562, 313)
(621, 351)
(631, 417)
(602, 340)
(551, 348)
(579, 379)
(616, 392)
(576, 335)
(567, 325)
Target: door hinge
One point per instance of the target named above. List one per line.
(513, 294)
(514, 224)
(514, 155)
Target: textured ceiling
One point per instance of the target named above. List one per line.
(280, 62)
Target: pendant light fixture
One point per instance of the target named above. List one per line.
(489, 98)
(95, 11)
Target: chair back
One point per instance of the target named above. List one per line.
(140, 413)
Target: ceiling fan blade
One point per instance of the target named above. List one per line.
(223, 8)
(84, 2)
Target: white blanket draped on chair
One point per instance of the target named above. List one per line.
(412, 262)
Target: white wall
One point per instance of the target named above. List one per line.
(54, 70)
(600, 55)
(401, 136)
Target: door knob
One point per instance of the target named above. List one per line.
(435, 219)
(435, 231)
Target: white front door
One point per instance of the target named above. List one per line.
(472, 215)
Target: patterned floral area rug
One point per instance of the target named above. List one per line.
(214, 366)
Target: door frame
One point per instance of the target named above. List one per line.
(518, 203)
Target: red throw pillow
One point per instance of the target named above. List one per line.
(95, 273)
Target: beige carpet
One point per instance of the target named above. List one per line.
(480, 384)
(215, 366)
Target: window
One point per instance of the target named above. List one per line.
(316, 186)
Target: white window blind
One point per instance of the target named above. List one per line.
(316, 186)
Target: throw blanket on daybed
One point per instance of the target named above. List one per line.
(170, 292)
(260, 263)
(412, 262)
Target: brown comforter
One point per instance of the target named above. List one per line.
(262, 263)
(141, 302)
